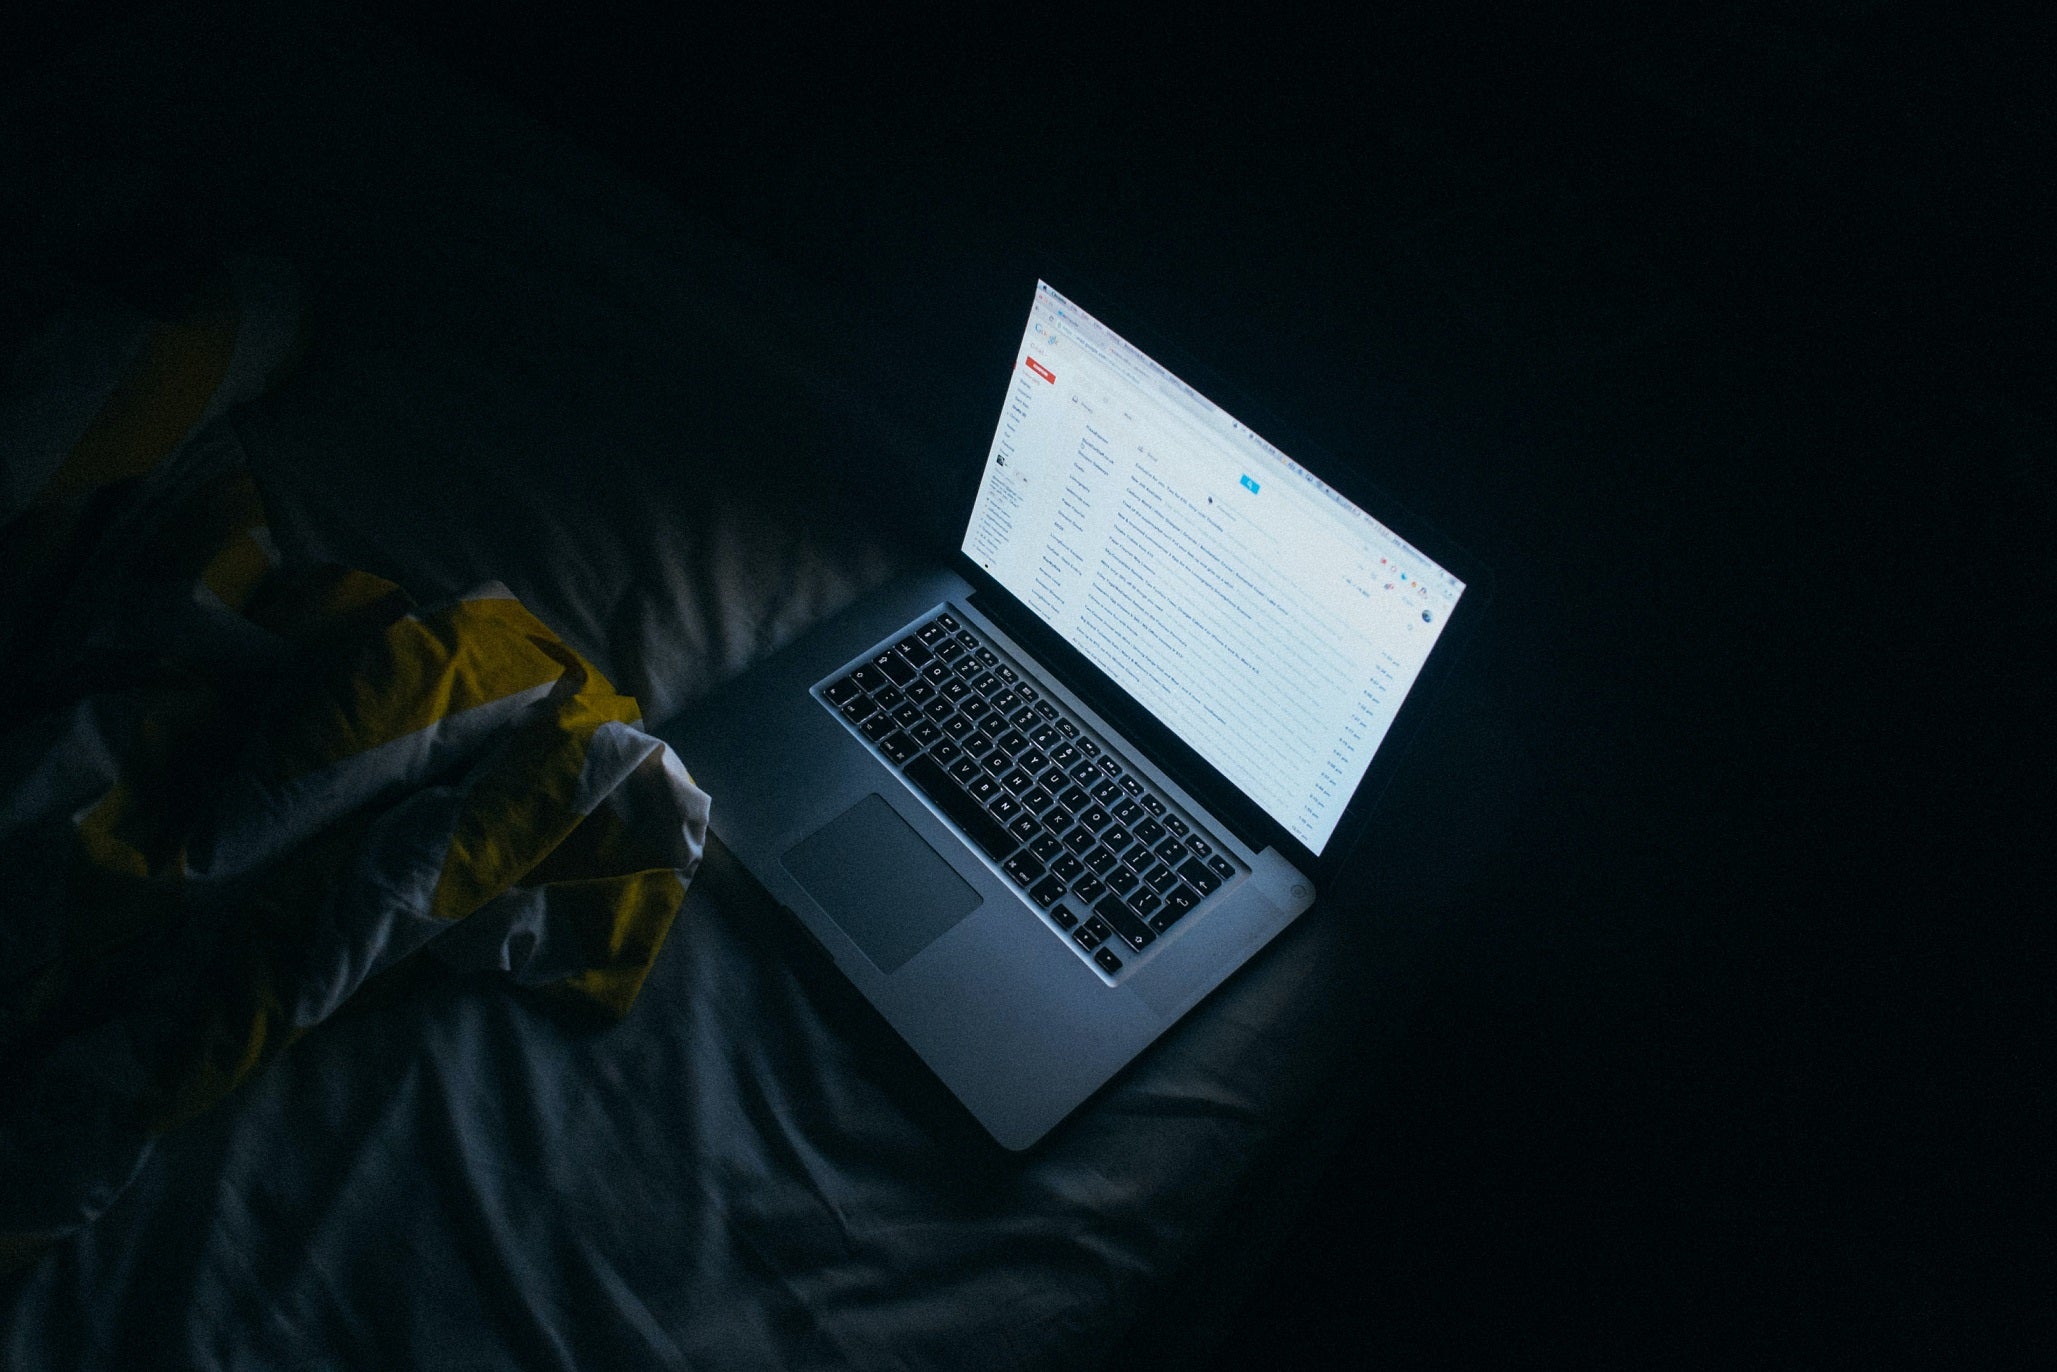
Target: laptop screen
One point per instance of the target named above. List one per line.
(1265, 620)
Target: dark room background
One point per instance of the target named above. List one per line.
(1714, 330)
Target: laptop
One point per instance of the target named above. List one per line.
(1037, 803)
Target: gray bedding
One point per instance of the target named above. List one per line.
(522, 367)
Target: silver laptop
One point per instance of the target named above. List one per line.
(1038, 803)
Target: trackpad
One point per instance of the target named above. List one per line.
(880, 882)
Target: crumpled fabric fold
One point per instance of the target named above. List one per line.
(234, 795)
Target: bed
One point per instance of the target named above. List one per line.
(490, 359)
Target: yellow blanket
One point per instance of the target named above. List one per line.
(235, 794)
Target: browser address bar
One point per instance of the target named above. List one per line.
(1203, 421)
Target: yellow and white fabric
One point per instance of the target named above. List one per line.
(234, 794)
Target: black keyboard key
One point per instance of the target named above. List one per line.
(1116, 837)
(857, 709)
(1128, 812)
(1064, 755)
(1110, 766)
(1181, 898)
(1199, 878)
(1074, 799)
(1176, 825)
(955, 690)
(1101, 860)
(1200, 846)
(1066, 727)
(1088, 747)
(1093, 817)
(1132, 786)
(888, 696)
(1007, 674)
(925, 733)
(1149, 831)
(1032, 758)
(1092, 933)
(973, 707)
(906, 713)
(1089, 888)
(869, 677)
(1085, 774)
(1105, 957)
(877, 727)
(997, 762)
(1004, 807)
(1160, 878)
(930, 632)
(841, 692)
(1046, 709)
(913, 649)
(1024, 869)
(1007, 702)
(1172, 851)
(1223, 868)
(948, 621)
(1024, 827)
(987, 656)
(1146, 902)
(983, 789)
(1024, 718)
(1080, 839)
(1036, 798)
(957, 726)
(1123, 879)
(1154, 806)
(1053, 779)
(1013, 741)
(1107, 793)
(898, 747)
(1068, 866)
(921, 692)
(967, 638)
(963, 770)
(945, 752)
(949, 649)
(1165, 918)
(1133, 931)
(930, 778)
(1043, 736)
(986, 684)
(938, 710)
(1019, 782)
(1061, 915)
(1046, 846)
(1047, 893)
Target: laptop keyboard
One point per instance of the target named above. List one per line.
(1107, 860)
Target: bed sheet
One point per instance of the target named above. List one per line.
(522, 367)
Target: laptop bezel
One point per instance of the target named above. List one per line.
(1247, 820)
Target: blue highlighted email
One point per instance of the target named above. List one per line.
(1251, 485)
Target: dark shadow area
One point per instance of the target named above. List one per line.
(1710, 332)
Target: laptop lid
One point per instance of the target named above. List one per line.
(1256, 629)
